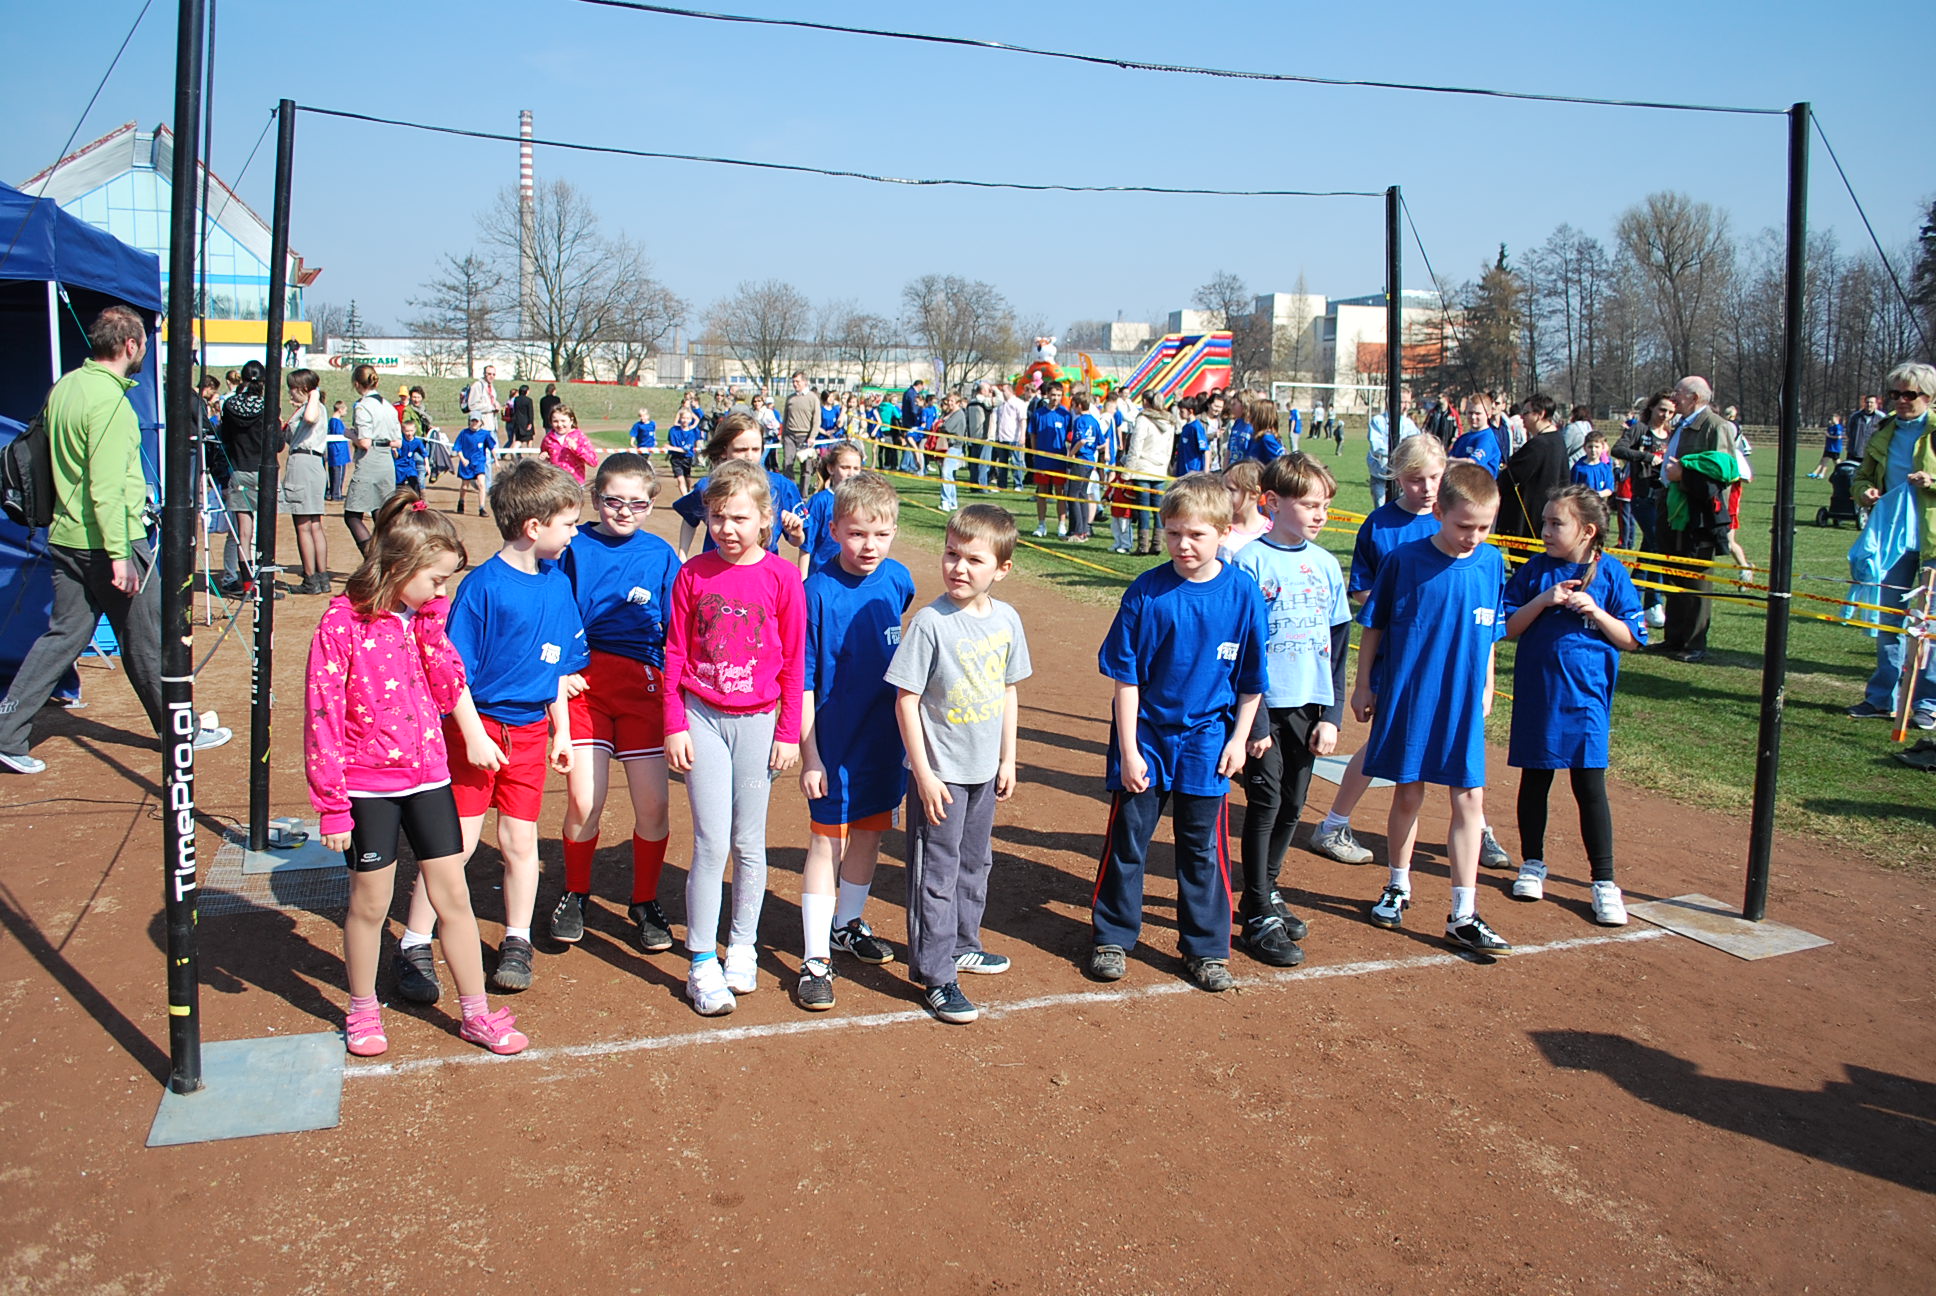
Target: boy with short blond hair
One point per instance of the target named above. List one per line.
(515, 623)
(956, 670)
(1309, 632)
(1436, 611)
(851, 754)
(1186, 653)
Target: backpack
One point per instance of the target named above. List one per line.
(464, 399)
(27, 476)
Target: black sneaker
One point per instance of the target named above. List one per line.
(1294, 926)
(1108, 963)
(655, 932)
(513, 964)
(1212, 974)
(1269, 941)
(815, 992)
(858, 939)
(1472, 933)
(417, 974)
(949, 1004)
(568, 919)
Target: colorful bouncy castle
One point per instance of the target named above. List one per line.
(1183, 364)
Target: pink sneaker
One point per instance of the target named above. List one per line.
(363, 1033)
(495, 1031)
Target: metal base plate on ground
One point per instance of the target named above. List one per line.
(279, 1085)
(312, 854)
(1707, 920)
(1331, 769)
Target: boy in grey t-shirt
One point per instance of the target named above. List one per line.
(956, 671)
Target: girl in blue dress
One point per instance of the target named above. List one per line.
(1573, 611)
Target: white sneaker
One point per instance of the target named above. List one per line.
(218, 736)
(742, 969)
(23, 763)
(706, 987)
(1656, 616)
(1609, 910)
(1042, 531)
(1531, 882)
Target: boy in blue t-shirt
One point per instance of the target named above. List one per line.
(1593, 472)
(472, 450)
(645, 433)
(621, 576)
(1186, 653)
(516, 626)
(1479, 443)
(851, 756)
(1425, 682)
(410, 453)
(1086, 445)
(1309, 634)
(338, 454)
(1048, 437)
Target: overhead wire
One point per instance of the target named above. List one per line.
(1144, 65)
(836, 173)
(1908, 306)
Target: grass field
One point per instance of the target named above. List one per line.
(1686, 731)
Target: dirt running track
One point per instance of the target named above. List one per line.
(1618, 1115)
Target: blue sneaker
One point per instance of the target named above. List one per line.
(981, 963)
(949, 1004)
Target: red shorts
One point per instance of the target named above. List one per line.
(622, 708)
(516, 788)
(1734, 506)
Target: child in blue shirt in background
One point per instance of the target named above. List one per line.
(1574, 610)
(1594, 471)
(1085, 443)
(1186, 653)
(1425, 682)
(838, 462)
(472, 451)
(1048, 437)
(621, 575)
(410, 454)
(1263, 446)
(682, 442)
(645, 433)
(1479, 443)
(338, 454)
(851, 759)
(1309, 634)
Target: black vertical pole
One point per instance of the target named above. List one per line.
(177, 566)
(1394, 318)
(262, 692)
(1781, 548)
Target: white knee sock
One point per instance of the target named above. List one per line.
(853, 899)
(816, 917)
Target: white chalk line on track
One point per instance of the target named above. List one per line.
(1086, 998)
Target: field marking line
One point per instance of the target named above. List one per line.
(1094, 998)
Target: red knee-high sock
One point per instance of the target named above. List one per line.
(578, 865)
(648, 857)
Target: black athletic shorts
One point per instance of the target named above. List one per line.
(428, 818)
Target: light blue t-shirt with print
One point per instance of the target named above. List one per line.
(1902, 451)
(1304, 597)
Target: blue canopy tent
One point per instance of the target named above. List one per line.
(56, 275)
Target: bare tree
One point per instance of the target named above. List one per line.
(460, 301)
(1086, 335)
(325, 322)
(1683, 248)
(763, 324)
(1290, 341)
(864, 341)
(965, 324)
(641, 319)
(580, 277)
(1229, 305)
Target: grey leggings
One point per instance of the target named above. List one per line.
(727, 788)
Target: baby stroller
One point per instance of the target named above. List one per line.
(1841, 504)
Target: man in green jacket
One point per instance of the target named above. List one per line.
(97, 545)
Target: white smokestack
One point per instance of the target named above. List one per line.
(527, 279)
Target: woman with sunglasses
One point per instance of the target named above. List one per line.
(1902, 455)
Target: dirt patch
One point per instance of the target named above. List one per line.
(1641, 1115)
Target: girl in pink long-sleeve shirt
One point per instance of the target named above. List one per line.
(735, 658)
(382, 675)
(566, 445)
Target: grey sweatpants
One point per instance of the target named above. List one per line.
(947, 876)
(83, 592)
(727, 789)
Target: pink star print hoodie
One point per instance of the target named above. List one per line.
(379, 688)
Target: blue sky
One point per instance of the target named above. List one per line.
(376, 206)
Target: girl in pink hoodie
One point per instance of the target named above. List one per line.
(382, 675)
(566, 445)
